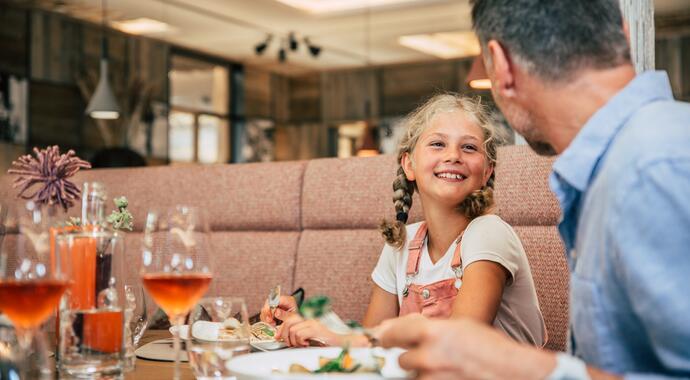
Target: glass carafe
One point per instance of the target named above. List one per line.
(91, 317)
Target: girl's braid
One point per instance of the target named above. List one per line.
(394, 232)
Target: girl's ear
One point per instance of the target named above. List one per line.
(406, 163)
(487, 173)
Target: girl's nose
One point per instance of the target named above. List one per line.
(453, 155)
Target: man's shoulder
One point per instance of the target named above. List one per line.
(661, 122)
(660, 131)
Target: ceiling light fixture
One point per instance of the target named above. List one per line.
(313, 49)
(282, 55)
(335, 6)
(142, 25)
(443, 45)
(103, 104)
(477, 78)
(293, 41)
(261, 46)
(289, 43)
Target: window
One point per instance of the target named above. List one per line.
(199, 122)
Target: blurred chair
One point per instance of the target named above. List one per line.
(117, 158)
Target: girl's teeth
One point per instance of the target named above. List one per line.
(450, 176)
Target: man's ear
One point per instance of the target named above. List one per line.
(626, 30)
(406, 163)
(500, 70)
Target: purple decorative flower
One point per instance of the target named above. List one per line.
(50, 170)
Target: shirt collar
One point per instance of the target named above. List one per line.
(577, 163)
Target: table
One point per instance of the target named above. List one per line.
(155, 370)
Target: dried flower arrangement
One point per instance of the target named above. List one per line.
(51, 171)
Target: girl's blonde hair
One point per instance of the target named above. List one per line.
(475, 204)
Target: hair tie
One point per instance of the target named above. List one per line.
(401, 216)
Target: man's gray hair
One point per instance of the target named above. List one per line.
(554, 38)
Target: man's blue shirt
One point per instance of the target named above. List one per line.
(624, 188)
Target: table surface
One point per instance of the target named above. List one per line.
(154, 370)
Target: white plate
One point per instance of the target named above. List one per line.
(160, 350)
(261, 365)
(266, 345)
(261, 345)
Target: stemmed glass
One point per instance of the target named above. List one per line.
(32, 280)
(218, 331)
(176, 262)
(136, 320)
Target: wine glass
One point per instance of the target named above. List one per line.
(32, 280)
(176, 268)
(218, 331)
(136, 320)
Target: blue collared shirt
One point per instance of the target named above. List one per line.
(624, 188)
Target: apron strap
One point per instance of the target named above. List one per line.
(415, 251)
(457, 258)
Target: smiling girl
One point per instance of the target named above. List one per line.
(461, 261)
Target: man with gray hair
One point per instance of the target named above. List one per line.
(562, 75)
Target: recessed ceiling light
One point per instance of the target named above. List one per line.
(142, 25)
(332, 6)
(443, 45)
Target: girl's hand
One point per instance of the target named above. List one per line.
(296, 332)
(286, 308)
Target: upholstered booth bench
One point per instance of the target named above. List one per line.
(313, 224)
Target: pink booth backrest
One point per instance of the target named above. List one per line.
(314, 223)
(524, 200)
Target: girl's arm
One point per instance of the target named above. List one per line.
(296, 331)
(481, 291)
(382, 306)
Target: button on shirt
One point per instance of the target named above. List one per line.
(624, 188)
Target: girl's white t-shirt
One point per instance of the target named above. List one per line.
(489, 238)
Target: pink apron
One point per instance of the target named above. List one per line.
(434, 300)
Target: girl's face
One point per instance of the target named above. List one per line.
(448, 163)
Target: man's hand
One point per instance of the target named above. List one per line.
(286, 308)
(462, 349)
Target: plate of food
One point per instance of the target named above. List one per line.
(262, 334)
(319, 363)
(264, 337)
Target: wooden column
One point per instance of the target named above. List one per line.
(639, 15)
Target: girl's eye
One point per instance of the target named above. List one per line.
(469, 147)
(436, 144)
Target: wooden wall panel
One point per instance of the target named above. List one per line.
(305, 98)
(257, 92)
(55, 48)
(147, 60)
(300, 141)
(685, 67)
(56, 113)
(405, 87)
(344, 94)
(280, 98)
(13, 41)
(673, 55)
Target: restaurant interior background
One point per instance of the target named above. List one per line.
(216, 81)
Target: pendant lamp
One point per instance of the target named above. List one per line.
(103, 104)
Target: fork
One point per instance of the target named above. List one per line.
(274, 300)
